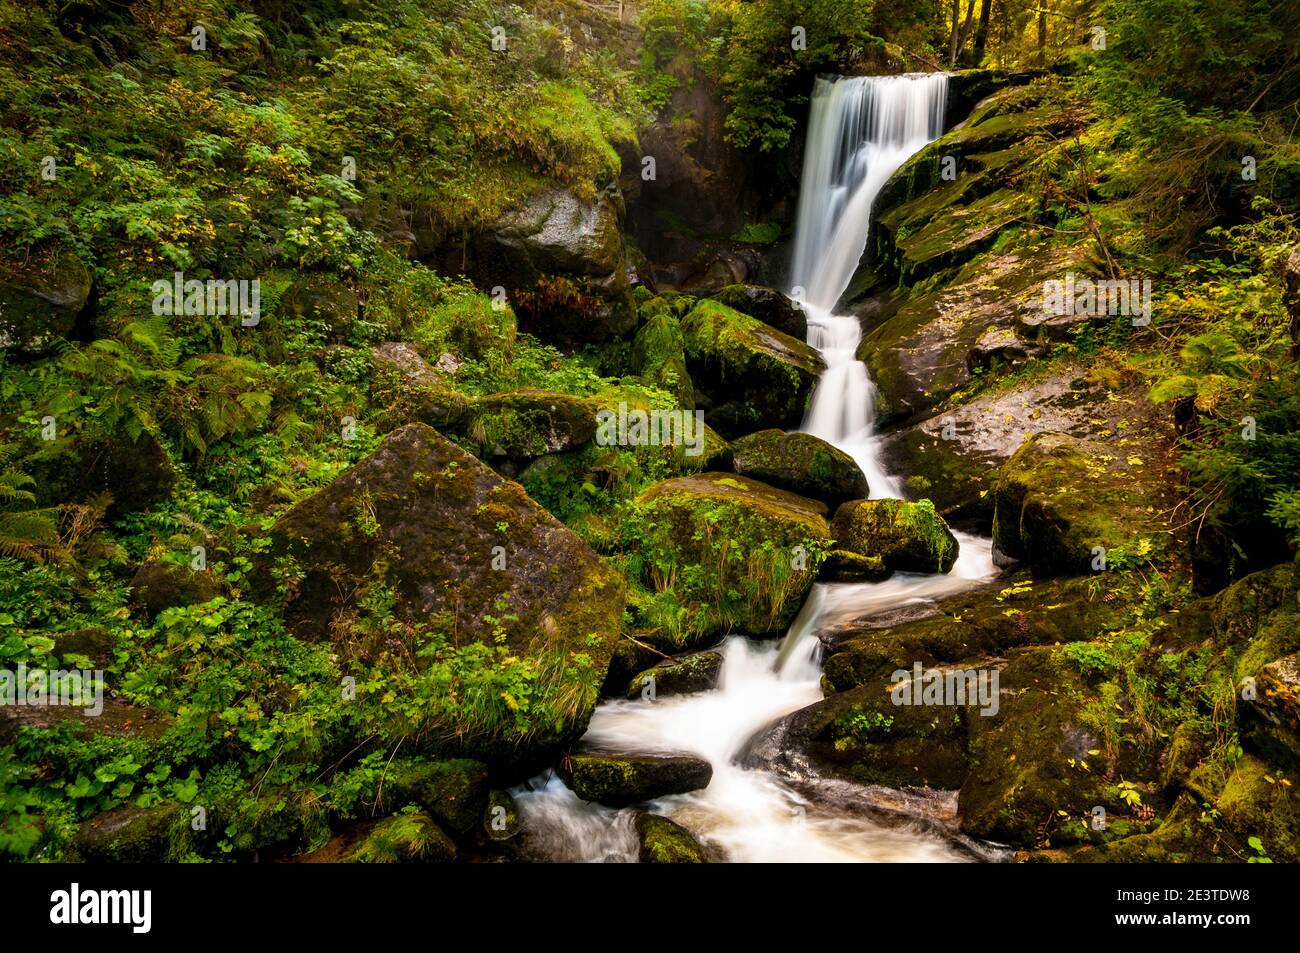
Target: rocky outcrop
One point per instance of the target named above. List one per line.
(40, 299)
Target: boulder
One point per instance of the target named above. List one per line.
(412, 838)
(406, 361)
(908, 537)
(666, 842)
(622, 780)
(695, 672)
(424, 522)
(40, 298)
(137, 474)
(800, 463)
(737, 554)
(659, 355)
(1061, 500)
(747, 375)
(841, 565)
(453, 792)
(159, 584)
(501, 820)
(133, 835)
(768, 305)
(522, 425)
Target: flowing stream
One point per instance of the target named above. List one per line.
(861, 131)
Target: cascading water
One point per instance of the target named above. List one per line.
(861, 131)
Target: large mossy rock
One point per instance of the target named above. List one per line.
(1042, 763)
(908, 537)
(861, 735)
(1062, 499)
(972, 626)
(453, 792)
(40, 299)
(133, 835)
(621, 780)
(800, 463)
(522, 425)
(768, 305)
(136, 474)
(747, 375)
(666, 842)
(738, 555)
(423, 520)
(159, 585)
(412, 838)
(659, 354)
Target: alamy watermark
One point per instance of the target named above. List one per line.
(954, 686)
(212, 297)
(655, 428)
(50, 688)
(1083, 296)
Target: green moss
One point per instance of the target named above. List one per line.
(665, 842)
(404, 839)
(909, 537)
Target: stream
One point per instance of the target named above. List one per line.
(861, 130)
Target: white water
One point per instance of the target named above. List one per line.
(861, 131)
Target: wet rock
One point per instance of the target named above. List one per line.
(738, 555)
(1000, 345)
(747, 375)
(908, 537)
(666, 842)
(768, 305)
(696, 672)
(132, 835)
(501, 820)
(453, 792)
(40, 298)
(659, 354)
(800, 463)
(622, 780)
(841, 565)
(405, 839)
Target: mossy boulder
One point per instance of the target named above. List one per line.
(501, 819)
(453, 792)
(841, 565)
(133, 835)
(40, 298)
(975, 625)
(525, 424)
(622, 780)
(665, 842)
(630, 656)
(694, 672)
(136, 474)
(159, 584)
(409, 838)
(747, 375)
(1043, 762)
(861, 735)
(422, 523)
(800, 463)
(909, 537)
(1060, 498)
(768, 305)
(738, 555)
(659, 356)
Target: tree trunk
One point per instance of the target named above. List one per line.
(1291, 299)
(965, 30)
(956, 32)
(1042, 33)
(982, 32)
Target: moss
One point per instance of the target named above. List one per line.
(665, 842)
(405, 839)
(621, 780)
(521, 425)
(736, 554)
(135, 835)
(841, 565)
(453, 792)
(501, 819)
(909, 537)
(800, 463)
(659, 356)
(696, 672)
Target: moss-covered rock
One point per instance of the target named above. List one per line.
(909, 537)
(133, 835)
(695, 672)
(521, 425)
(746, 374)
(768, 305)
(135, 474)
(453, 792)
(736, 554)
(621, 780)
(408, 838)
(666, 842)
(501, 820)
(40, 299)
(423, 523)
(159, 584)
(861, 735)
(1060, 498)
(659, 355)
(841, 565)
(800, 463)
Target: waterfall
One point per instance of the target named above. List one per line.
(862, 130)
